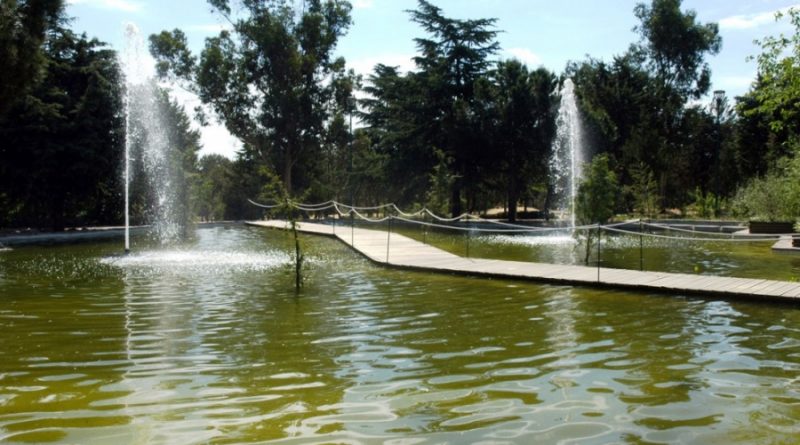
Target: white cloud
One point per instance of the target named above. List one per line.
(525, 55)
(118, 5)
(362, 4)
(366, 65)
(749, 21)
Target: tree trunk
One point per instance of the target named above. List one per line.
(455, 199)
(287, 172)
(512, 204)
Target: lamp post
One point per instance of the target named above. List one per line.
(718, 107)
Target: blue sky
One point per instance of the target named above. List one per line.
(539, 32)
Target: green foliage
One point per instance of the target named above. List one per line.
(437, 200)
(23, 28)
(213, 184)
(778, 90)
(774, 196)
(597, 194)
(522, 114)
(266, 79)
(450, 64)
(61, 144)
(704, 203)
(637, 106)
(274, 191)
(643, 190)
(675, 45)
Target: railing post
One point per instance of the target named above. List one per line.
(467, 235)
(599, 234)
(641, 246)
(352, 228)
(388, 236)
(424, 229)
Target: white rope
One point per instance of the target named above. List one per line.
(677, 229)
(264, 205)
(518, 228)
(688, 238)
(365, 218)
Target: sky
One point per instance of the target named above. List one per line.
(545, 33)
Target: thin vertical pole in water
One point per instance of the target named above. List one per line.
(424, 229)
(599, 234)
(641, 246)
(352, 229)
(388, 235)
(127, 174)
(467, 235)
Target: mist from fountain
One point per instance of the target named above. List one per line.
(146, 137)
(568, 152)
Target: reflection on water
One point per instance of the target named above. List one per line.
(739, 259)
(210, 343)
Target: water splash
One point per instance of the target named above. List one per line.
(198, 262)
(568, 152)
(147, 140)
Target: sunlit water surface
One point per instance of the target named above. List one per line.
(209, 343)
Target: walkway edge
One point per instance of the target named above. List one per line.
(394, 250)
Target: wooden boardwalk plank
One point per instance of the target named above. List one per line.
(409, 253)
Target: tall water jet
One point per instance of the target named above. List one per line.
(568, 152)
(147, 143)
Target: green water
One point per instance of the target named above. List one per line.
(680, 255)
(208, 343)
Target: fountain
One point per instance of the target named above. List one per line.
(147, 143)
(567, 154)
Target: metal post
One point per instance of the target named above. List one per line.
(424, 229)
(351, 104)
(388, 235)
(641, 246)
(598, 252)
(467, 235)
(352, 229)
(334, 224)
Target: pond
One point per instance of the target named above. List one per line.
(209, 343)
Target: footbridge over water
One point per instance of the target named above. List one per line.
(395, 250)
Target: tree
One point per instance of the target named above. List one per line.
(267, 79)
(23, 28)
(61, 146)
(213, 183)
(596, 198)
(398, 125)
(778, 89)
(525, 126)
(450, 63)
(675, 45)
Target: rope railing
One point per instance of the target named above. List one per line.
(668, 227)
(440, 222)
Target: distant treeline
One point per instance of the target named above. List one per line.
(464, 131)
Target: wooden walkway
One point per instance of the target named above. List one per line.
(406, 253)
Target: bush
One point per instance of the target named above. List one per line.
(772, 197)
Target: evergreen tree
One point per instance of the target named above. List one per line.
(61, 146)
